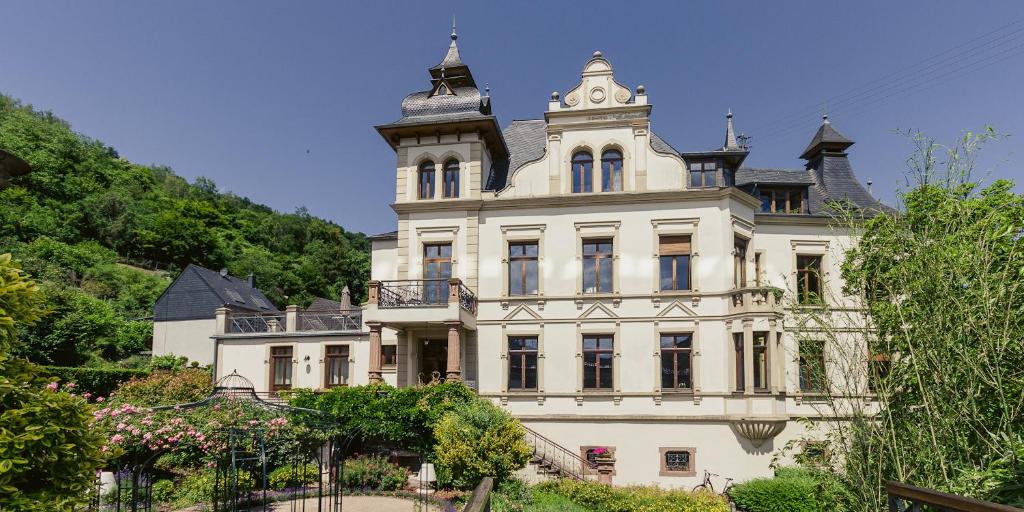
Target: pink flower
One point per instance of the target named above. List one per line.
(99, 399)
(87, 395)
(70, 385)
(52, 386)
(117, 438)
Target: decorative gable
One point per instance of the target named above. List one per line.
(598, 88)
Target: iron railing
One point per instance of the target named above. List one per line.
(907, 498)
(412, 293)
(349, 320)
(257, 323)
(556, 459)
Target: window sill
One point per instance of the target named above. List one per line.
(677, 473)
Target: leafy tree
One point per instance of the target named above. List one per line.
(49, 452)
(478, 439)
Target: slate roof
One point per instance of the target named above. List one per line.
(748, 176)
(827, 138)
(198, 292)
(390, 235)
(421, 107)
(322, 304)
(662, 146)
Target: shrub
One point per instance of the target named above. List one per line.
(373, 473)
(98, 381)
(165, 388)
(603, 498)
(163, 491)
(476, 440)
(285, 477)
(167, 362)
(797, 489)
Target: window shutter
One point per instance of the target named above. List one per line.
(674, 245)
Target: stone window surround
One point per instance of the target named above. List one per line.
(616, 144)
(663, 467)
(674, 227)
(616, 335)
(694, 333)
(430, 235)
(439, 161)
(323, 362)
(522, 233)
(818, 248)
(776, 363)
(593, 231)
(537, 332)
(583, 454)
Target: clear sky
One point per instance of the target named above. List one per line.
(277, 101)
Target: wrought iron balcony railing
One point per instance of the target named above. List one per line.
(414, 293)
(295, 321)
(348, 320)
(256, 323)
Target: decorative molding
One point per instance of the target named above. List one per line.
(757, 431)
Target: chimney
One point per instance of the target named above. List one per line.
(251, 279)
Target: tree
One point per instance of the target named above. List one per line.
(939, 291)
(49, 451)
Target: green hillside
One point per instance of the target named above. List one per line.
(105, 236)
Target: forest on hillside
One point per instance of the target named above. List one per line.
(104, 236)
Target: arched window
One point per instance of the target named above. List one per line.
(426, 180)
(450, 178)
(611, 171)
(582, 172)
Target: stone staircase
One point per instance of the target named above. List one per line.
(550, 460)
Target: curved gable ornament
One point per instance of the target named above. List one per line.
(597, 87)
(757, 431)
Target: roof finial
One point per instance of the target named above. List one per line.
(454, 35)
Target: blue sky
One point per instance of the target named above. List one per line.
(277, 100)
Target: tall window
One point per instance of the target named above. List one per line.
(812, 366)
(611, 171)
(522, 268)
(758, 268)
(674, 262)
(389, 355)
(281, 368)
(426, 180)
(336, 365)
(582, 172)
(451, 178)
(522, 362)
(878, 370)
(760, 361)
(739, 262)
(676, 361)
(597, 266)
(737, 343)
(783, 200)
(703, 174)
(437, 270)
(598, 361)
(808, 279)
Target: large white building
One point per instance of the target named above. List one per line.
(606, 288)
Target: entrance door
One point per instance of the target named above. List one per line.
(433, 358)
(437, 270)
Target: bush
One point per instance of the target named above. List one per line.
(793, 489)
(476, 440)
(373, 473)
(285, 477)
(165, 388)
(514, 495)
(98, 381)
(163, 491)
(603, 498)
(167, 362)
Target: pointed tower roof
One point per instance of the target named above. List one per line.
(730, 135)
(827, 139)
(451, 68)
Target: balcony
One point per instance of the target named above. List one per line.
(294, 320)
(411, 301)
(754, 300)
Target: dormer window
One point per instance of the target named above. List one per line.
(704, 173)
(443, 90)
(582, 172)
(611, 171)
(425, 179)
(783, 200)
(451, 179)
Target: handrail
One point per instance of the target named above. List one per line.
(560, 458)
(411, 293)
(904, 497)
(480, 500)
(265, 322)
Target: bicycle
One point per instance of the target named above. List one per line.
(706, 485)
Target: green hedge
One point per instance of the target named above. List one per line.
(793, 490)
(636, 498)
(98, 381)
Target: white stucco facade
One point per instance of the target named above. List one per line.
(187, 338)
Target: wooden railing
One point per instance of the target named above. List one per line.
(480, 500)
(556, 459)
(907, 498)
